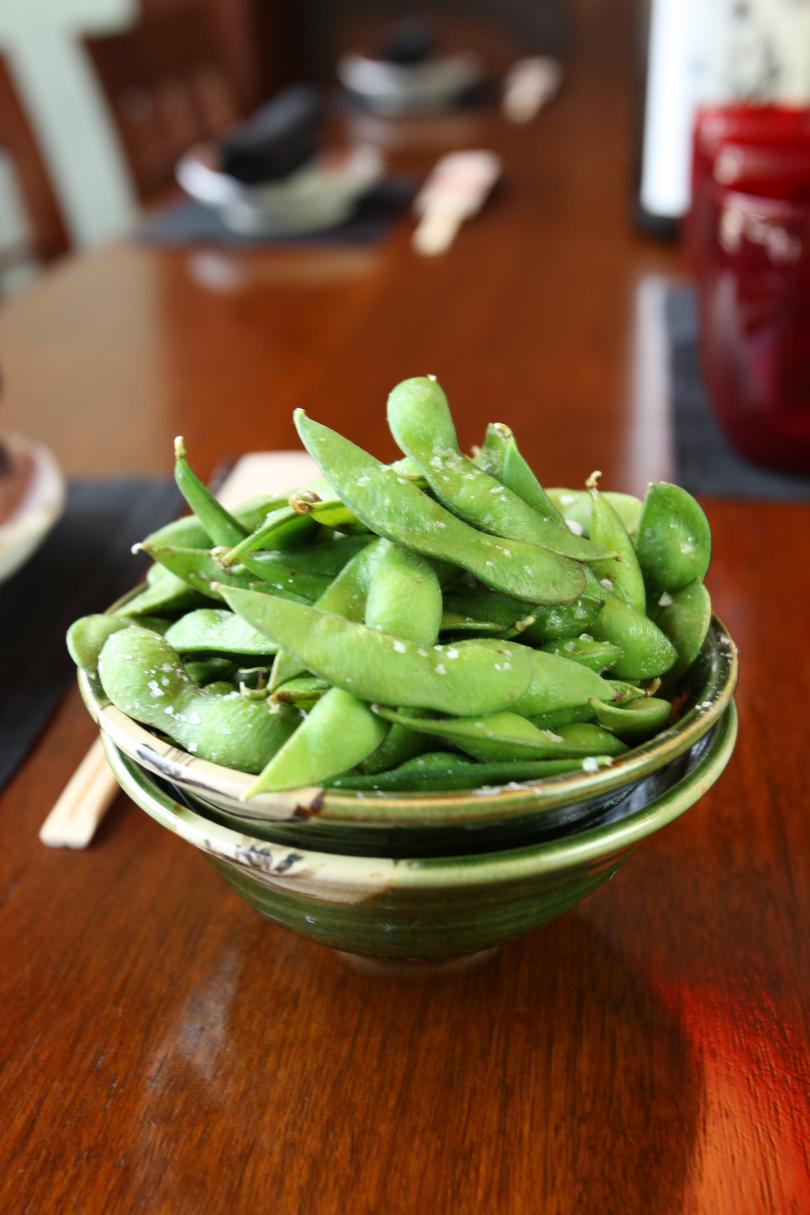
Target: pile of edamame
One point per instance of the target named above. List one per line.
(439, 623)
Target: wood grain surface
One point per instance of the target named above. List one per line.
(163, 1049)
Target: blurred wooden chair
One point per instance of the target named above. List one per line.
(38, 235)
(167, 87)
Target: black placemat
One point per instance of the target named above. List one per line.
(83, 565)
(705, 463)
(187, 222)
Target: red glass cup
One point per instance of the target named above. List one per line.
(754, 307)
(757, 149)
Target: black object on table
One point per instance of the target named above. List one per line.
(188, 222)
(83, 566)
(705, 462)
(278, 139)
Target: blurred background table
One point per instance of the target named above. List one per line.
(165, 1049)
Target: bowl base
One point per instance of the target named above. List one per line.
(416, 967)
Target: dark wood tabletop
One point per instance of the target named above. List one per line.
(164, 1049)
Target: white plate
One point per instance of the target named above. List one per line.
(41, 506)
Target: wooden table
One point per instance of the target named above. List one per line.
(164, 1049)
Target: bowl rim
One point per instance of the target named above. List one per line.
(381, 808)
(324, 874)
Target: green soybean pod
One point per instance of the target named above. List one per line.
(164, 593)
(623, 570)
(214, 669)
(217, 631)
(201, 569)
(639, 719)
(443, 771)
(394, 508)
(86, 637)
(188, 532)
(404, 596)
(345, 596)
(453, 623)
(596, 655)
(684, 616)
(674, 541)
(558, 683)
(468, 677)
(479, 603)
(564, 621)
(420, 420)
(563, 717)
(575, 505)
(404, 599)
(339, 731)
(326, 558)
(506, 736)
(282, 528)
(500, 457)
(144, 677)
(216, 521)
(399, 745)
(302, 691)
(646, 651)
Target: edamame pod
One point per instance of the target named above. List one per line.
(575, 505)
(623, 570)
(558, 683)
(442, 771)
(164, 593)
(188, 532)
(404, 596)
(326, 557)
(400, 744)
(200, 569)
(684, 616)
(596, 655)
(206, 671)
(674, 541)
(345, 596)
(144, 677)
(566, 620)
(217, 631)
(394, 508)
(420, 420)
(639, 719)
(216, 521)
(301, 691)
(479, 603)
(500, 457)
(505, 736)
(646, 651)
(337, 734)
(86, 637)
(563, 717)
(453, 623)
(468, 677)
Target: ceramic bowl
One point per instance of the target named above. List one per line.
(393, 89)
(433, 824)
(319, 195)
(40, 507)
(423, 908)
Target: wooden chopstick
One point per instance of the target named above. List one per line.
(82, 803)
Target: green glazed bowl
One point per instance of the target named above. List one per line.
(423, 908)
(434, 824)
